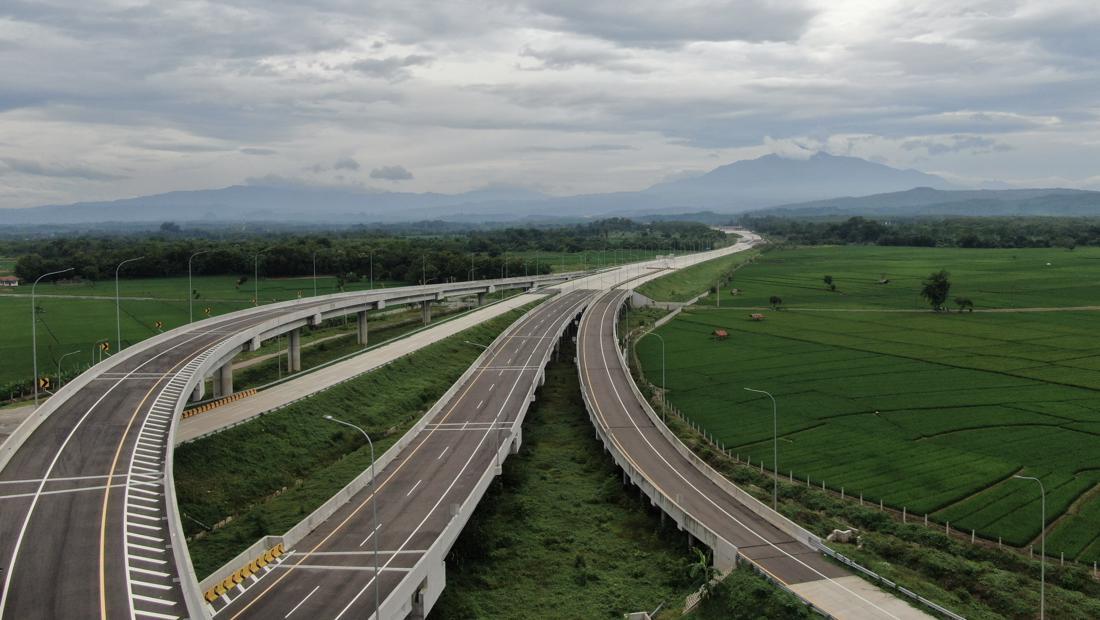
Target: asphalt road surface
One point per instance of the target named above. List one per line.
(330, 573)
(631, 429)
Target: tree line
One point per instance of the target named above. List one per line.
(962, 232)
(350, 254)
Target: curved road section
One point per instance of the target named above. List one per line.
(88, 521)
(725, 518)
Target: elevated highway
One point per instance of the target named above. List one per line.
(88, 520)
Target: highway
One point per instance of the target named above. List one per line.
(88, 521)
(688, 490)
(86, 504)
(330, 573)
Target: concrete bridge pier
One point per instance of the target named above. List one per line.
(199, 391)
(481, 299)
(361, 323)
(426, 311)
(294, 347)
(223, 380)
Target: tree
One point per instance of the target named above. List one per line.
(702, 573)
(775, 302)
(829, 283)
(964, 303)
(935, 289)
(170, 227)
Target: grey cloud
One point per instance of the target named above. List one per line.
(591, 148)
(657, 23)
(956, 144)
(182, 147)
(33, 168)
(562, 58)
(391, 173)
(249, 150)
(345, 163)
(392, 68)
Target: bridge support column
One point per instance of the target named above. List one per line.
(199, 391)
(426, 312)
(294, 347)
(223, 380)
(361, 323)
(517, 441)
(481, 299)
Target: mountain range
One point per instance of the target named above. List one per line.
(806, 186)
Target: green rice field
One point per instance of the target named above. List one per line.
(933, 412)
(73, 317)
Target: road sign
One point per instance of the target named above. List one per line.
(43, 383)
(299, 294)
(207, 310)
(158, 324)
(105, 346)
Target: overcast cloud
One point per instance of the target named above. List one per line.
(119, 98)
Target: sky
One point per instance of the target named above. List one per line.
(119, 98)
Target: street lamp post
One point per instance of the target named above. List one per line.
(1043, 545)
(256, 277)
(374, 507)
(34, 331)
(663, 388)
(775, 449)
(315, 273)
(59, 360)
(118, 302)
(190, 289)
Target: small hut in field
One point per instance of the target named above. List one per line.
(756, 316)
(720, 334)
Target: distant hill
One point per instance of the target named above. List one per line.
(926, 201)
(736, 187)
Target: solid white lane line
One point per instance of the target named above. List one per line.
(146, 571)
(134, 556)
(158, 586)
(373, 532)
(49, 480)
(153, 614)
(442, 453)
(301, 602)
(414, 488)
(158, 601)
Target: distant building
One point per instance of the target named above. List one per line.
(9, 281)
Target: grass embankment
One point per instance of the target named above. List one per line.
(269, 473)
(931, 412)
(559, 536)
(687, 283)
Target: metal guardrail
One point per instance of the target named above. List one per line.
(882, 581)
